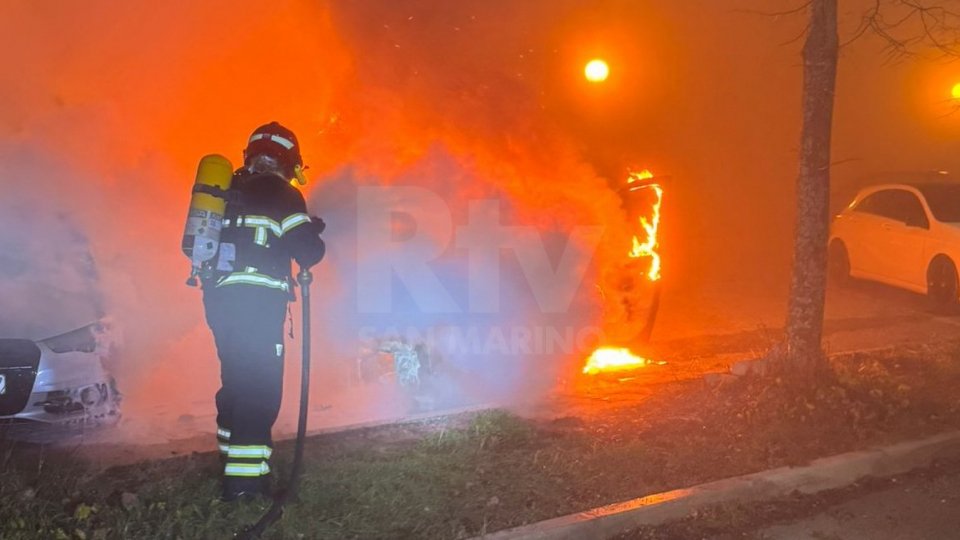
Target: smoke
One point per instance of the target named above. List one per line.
(503, 301)
(48, 287)
(108, 106)
(108, 109)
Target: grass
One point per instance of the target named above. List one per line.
(388, 488)
(478, 473)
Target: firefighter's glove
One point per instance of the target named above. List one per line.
(318, 225)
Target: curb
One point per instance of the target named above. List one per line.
(820, 475)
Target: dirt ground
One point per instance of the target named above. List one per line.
(861, 317)
(460, 476)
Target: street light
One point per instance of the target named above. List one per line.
(955, 91)
(596, 70)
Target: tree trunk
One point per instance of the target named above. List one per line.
(804, 328)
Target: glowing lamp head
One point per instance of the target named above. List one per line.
(955, 91)
(596, 71)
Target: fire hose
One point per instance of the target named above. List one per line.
(275, 512)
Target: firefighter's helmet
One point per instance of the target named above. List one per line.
(277, 142)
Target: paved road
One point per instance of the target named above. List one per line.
(922, 507)
(860, 315)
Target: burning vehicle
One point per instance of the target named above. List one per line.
(55, 341)
(639, 288)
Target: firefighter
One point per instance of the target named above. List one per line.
(245, 300)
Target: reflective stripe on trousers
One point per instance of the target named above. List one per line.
(248, 460)
(247, 470)
(223, 440)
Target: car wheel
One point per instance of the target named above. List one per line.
(942, 287)
(838, 263)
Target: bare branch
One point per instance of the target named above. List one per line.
(906, 27)
(793, 11)
(864, 24)
(777, 14)
(954, 108)
(799, 36)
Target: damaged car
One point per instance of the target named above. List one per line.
(55, 339)
(60, 380)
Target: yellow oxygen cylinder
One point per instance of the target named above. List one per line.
(201, 236)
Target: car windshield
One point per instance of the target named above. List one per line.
(943, 200)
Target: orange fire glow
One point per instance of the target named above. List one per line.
(613, 359)
(648, 248)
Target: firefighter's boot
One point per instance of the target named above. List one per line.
(245, 489)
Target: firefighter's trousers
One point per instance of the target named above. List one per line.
(247, 323)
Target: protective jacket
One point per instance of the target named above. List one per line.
(266, 226)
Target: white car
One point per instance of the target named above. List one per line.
(906, 235)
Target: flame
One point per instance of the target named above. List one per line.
(613, 359)
(638, 176)
(606, 359)
(651, 227)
